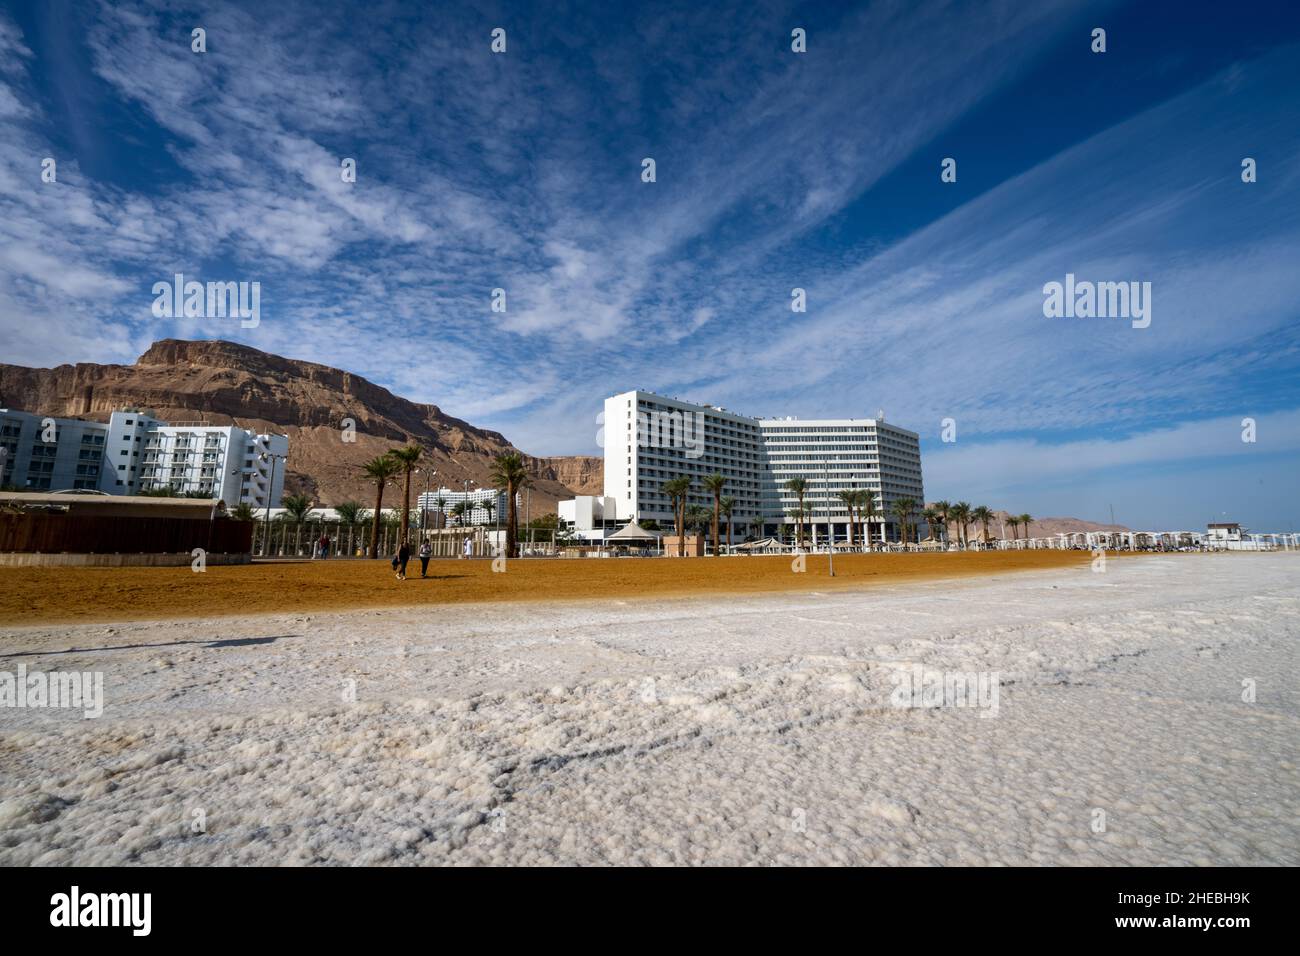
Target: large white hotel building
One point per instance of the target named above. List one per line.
(134, 452)
(650, 439)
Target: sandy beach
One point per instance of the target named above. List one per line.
(745, 729)
(34, 595)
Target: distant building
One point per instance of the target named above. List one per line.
(1223, 531)
(589, 517)
(496, 502)
(135, 452)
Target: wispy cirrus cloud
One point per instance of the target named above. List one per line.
(775, 170)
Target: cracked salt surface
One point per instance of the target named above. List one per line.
(752, 730)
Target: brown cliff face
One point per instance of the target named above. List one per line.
(226, 383)
(581, 474)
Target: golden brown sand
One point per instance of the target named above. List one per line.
(30, 596)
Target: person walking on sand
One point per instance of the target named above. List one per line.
(399, 560)
(324, 545)
(425, 553)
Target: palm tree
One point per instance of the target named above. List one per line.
(727, 505)
(933, 520)
(902, 509)
(867, 510)
(490, 507)
(441, 502)
(297, 506)
(381, 471)
(714, 483)
(943, 511)
(1013, 521)
(1026, 520)
(960, 512)
(983, 515)
(243, 512)
(697, 518)
(408, 458)
(509, 475)
(676, 489)
(850, 499)
(796, 515)
(798, 486)
(458, 511)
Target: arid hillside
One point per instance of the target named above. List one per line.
(223, 383)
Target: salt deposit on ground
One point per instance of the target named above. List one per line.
(747, 730)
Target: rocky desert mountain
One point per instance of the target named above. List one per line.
(226, 383)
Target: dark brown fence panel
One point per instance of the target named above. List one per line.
(53, 532)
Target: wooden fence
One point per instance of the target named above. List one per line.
(55, 532)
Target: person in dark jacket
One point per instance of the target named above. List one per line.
(399, 560)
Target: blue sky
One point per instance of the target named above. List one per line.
(775, 170)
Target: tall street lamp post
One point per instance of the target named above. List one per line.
(266, 527)
(424, 511)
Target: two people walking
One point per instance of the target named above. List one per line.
(403, 555)
(425, 552)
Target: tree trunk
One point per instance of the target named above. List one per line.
(679, 519)
(374, 529)
(512, 523)
(717, 505)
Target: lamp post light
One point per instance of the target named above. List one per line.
(266, 526)
(424, 511)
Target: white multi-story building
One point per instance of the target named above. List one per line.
(834, 455)
(486, 505)
(136, 452)
(210, 461)
(650, 439)
(41, 453)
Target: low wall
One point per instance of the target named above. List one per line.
(44, 532)
(23, 559)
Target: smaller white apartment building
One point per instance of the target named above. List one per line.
(136, 452)
(497, 502)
